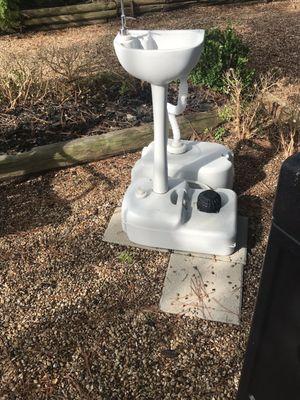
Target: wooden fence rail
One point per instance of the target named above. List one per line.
(100, 11)
(67, 10)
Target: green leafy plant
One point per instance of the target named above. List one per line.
(9, 15)
(223, 50)
(125, 257)
(225, 113)
(124, 89)
(219, 133)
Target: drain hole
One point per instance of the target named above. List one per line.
(174, 197)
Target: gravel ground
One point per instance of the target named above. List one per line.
(79, 317)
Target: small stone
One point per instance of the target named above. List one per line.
(169, 353)
(130, 117)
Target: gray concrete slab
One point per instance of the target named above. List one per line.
(197, 285)
(204, 288)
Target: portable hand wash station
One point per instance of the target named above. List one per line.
(180, 194)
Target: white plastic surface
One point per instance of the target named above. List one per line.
(177, 53)
(172, 220)
(176, 146)
(166, 55)
(162, 212)
(160, 164)
(203, 162)
(130, 42)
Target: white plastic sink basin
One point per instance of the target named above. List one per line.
(177, 53)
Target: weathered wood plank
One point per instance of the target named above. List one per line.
(154, 2)
(143, 9)
(128, 7)
(66, 10)
(102, 11)
(66, 25)
(148, 2)
(93, 148)
(148, 8)
(71, 18)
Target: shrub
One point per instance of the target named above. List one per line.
(223, 50)
(21, 80)
(271, 109)
(9, 15)
(71, 63)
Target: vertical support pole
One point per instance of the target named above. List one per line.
(160, 167)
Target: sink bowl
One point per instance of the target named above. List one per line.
(177, 53)
(159, 57)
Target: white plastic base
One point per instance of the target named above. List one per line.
(176, 147)
(172, 220)
(203, 163)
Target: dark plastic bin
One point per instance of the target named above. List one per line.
(271, 368)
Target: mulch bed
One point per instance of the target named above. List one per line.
(269, 29)
(21, 130)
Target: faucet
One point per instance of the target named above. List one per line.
(123, 19)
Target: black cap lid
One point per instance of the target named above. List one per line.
(209, 201)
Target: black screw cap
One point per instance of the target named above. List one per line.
(209, 201)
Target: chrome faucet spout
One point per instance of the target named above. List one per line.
(123, 19)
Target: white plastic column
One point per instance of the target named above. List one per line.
(160, 167)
